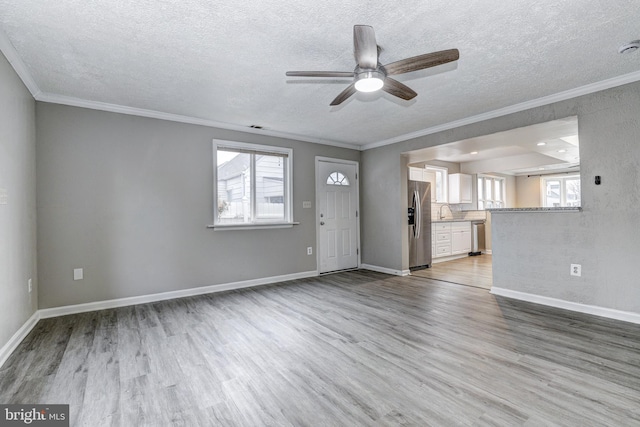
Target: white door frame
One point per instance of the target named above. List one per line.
(347, 162)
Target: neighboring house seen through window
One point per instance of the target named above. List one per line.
(561, 191)
(252, 183)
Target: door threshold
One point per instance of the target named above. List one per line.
(339, 271)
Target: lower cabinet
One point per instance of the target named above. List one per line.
(450, 238)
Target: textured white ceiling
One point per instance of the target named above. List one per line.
(225, 61)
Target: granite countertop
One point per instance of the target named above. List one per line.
(565, 209)
(455, 220)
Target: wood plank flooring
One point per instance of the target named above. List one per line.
(350, 349)
(474, 271)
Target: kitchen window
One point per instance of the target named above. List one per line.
(252, 184)
(491, 192)
(441, 183)
(561, 191)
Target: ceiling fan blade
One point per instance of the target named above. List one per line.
(350, 90)
(320, 73)
(398, 89)
(421, 62)
(365, 47)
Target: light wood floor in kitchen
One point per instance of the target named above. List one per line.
(349, 349)
(470, 271)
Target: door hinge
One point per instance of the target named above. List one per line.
(357, 251)
(356, 214)
(356, 176)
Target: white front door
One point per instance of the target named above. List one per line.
(337, 215)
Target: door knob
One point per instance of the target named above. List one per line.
(321, 222)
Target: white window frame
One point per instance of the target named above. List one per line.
(563, 188)
(495, 203)
(255, 223)
(444, 172)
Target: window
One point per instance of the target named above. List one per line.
(252, 184)
(491, 192)
(337, 178)
(442, 183)
(561, 191)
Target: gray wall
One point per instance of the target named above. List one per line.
(129, 198)
(18, 216)
(532, 252)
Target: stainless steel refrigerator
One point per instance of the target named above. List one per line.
(419, 225)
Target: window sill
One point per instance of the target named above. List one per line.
(559, 209)
(264, 226)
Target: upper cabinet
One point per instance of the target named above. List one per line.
(416, 174)
(421, 174)
(460, 188)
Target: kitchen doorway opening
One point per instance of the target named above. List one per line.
(536, 166)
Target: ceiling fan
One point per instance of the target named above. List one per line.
(370, 76)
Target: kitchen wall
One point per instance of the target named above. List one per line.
(128, 199)
(528, 193)
(17, 203)
(532, 252)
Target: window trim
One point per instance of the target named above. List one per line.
(503, 188)
(563, 178)
(445, 182)
(287, 154)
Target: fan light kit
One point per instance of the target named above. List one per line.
(629, 47)
(370, 76)
(369, 81)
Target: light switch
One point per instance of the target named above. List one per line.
(78, 274)
(4, 196)
(306, 204)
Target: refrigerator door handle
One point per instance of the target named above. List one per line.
(418, 225)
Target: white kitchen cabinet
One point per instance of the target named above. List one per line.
(460, 188)
(460, 237)
(416, 174)
(441, 235)
(421, 174)
(450, 238)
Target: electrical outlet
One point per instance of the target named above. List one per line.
(309, 250)
(576, 270)
(30, 285)
(306, 204)
(78, 274)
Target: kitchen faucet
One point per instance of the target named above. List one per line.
(442, 206)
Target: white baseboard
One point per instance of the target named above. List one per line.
(385, 270)
(46, 313)
(625, 316)
(143, 299)
(17, 338)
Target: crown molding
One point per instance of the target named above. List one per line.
(16, 62)
(539, 102)
(21, 69)
(133, 111)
